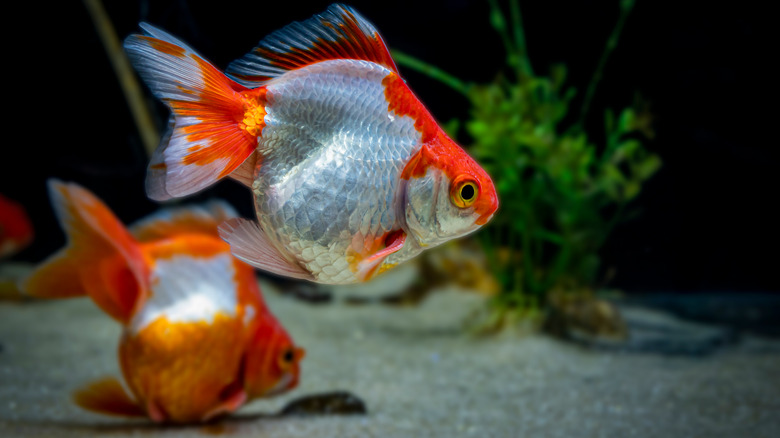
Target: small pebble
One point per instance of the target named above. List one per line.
(338, 402)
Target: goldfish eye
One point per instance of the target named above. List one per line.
(288, 355)
(464, 191)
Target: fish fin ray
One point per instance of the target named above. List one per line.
(208, 138)
(157, 170)
(245, 173)
(250, 244)
(338, 33)
(107, 396)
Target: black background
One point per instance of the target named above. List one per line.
(709, 218)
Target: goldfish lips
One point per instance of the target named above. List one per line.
(486, 205)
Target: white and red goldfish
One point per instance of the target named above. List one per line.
(198, 340)
(16, 230)
(350, 173)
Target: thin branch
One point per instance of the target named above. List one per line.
(124, 73)
(434, 72)
(519, 32)
(625, 10)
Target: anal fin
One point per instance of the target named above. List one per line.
(231, 403)
(107, 396)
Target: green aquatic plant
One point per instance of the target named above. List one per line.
(561, 194)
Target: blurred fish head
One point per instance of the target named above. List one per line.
(16, 231)
(273, 360)
(449, 200)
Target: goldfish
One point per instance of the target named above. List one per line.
(16, 230)
(350, 173)
(198, 340)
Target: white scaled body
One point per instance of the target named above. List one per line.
(335, 187)
(350, 173)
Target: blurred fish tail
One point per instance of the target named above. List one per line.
(101, 259)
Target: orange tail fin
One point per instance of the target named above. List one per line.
(215, 121)
(101, 260)
(107, 396)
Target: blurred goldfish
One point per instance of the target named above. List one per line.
(16, 231)
(351, 175)
(198, 339)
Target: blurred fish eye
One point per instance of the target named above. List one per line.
(464, 191)
(288, 355)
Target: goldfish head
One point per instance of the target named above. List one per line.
(16, 230)
(272, 361)
(448, 194)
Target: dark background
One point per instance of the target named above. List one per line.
(709, 220)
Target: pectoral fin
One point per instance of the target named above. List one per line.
(250, 244)
(367, 268)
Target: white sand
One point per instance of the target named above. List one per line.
(419, 374)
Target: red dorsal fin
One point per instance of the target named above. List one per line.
(338, 33)
(107, 396)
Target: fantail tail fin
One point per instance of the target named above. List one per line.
(215, 121)
(107, 396)
(101, 259)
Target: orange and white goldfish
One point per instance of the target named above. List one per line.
(16, 230)
(198, 340)
(351, 175)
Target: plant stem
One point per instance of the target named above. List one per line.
(431, 71)
(613, 221)
(498, 22)
(625, 9)
(124, 72)
(519, 32)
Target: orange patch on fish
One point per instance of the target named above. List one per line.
(165, 47)
(221, 109)
(190, 245)
(188, 383)
(437, 148)
(402, 102)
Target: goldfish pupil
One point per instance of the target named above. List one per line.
(467, 192)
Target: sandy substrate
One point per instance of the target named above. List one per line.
(418, 373)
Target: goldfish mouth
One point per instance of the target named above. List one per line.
(282, 385)
(485, 218)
